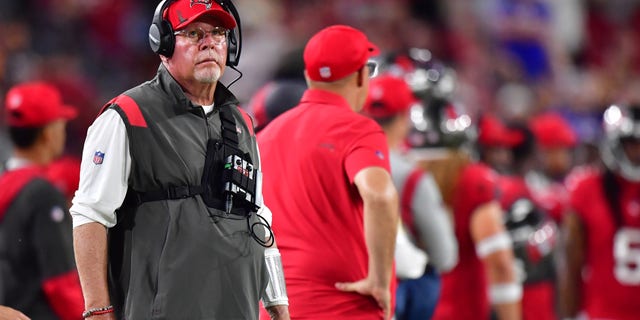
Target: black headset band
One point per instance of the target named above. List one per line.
(158, 15)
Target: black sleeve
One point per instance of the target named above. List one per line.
(50, 229)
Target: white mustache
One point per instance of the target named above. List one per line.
(207, 59)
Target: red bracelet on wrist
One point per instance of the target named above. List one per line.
(97, 311)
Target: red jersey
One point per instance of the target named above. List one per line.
(553, 197)
(310, 155)
(611, 271)
(538, 298)
(513, 188)
(464, 289)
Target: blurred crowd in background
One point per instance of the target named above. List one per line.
(512, 57)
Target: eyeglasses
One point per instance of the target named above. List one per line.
(373, 68)
(196, 35)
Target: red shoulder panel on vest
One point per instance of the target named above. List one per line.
(106, 105)
(131, 109)
(247, 119)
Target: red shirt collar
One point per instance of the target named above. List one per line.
(318, 96)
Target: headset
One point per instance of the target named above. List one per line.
(162, 40)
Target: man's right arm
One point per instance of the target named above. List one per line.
(380, 226)
(104, 174)
(494, 248)
(90, 244)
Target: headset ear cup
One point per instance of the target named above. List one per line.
(155, 38)
(168, 39)
(232, 49)
(161, 37)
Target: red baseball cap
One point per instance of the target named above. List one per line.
(335, 52)
(182, 12)
(493, 133)
(553, 131)
(388, 96)
(35, 104)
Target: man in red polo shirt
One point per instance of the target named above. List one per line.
(327, 181)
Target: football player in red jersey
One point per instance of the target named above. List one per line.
(556, 141)
(440, 137)
(485, 275)
(532, 230)
(601, 276)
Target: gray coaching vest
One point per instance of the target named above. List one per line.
(177, 258)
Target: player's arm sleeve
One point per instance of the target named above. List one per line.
(434, 225)
(494, 248)
(104, 172)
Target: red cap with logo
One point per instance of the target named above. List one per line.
(35, 104)
(493, 133)
(335, 52)
(388, 96)
(182, 12)
(553, 131)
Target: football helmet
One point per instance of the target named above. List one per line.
(620, 123)
(438, 120)
(534, 237)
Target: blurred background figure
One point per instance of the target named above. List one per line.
(281, 93)
(533, 232)
(440, 132)
(37, 269)
(495, 141)
(600, 273)
(554, 158)
(64, 173)
(426, 245)
(485, 276)
(273, 99)
(443, 140)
